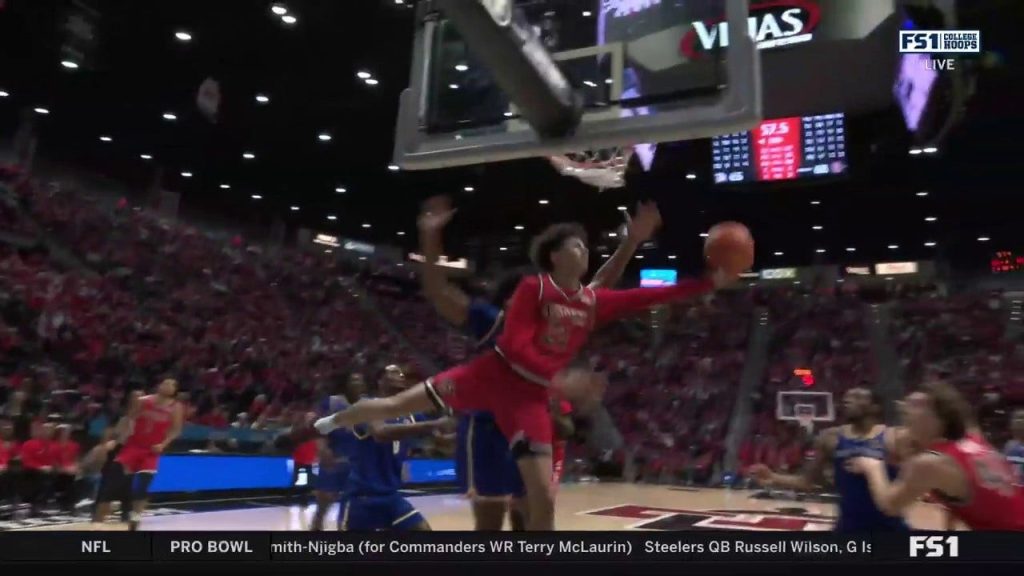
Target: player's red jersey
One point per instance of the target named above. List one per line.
(994, 502)
(545, 327)
(151, 425)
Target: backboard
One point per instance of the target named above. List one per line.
(647, 70)
(796, 405)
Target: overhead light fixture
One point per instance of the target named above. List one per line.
(587, 13)
(983, 238)
(609, 81)
(399, 2)
(520, 227)
(183, 36)
(170, 116)
(503, 249)
(295, 208)
(372, 81)
(818, 228)
(590, 83)
(332, 217)
(257, 197)
(289, 19)
(778, 254)
(262, 98)
(469, 189)
(703, 234)
(453, 86)
(894, 247)
(340, 190)
(815, 202)
(672, 257)
(323, 137)
(691, 176)
(4, 94)
(364, 75)
(922, 194)
(43, 111)
(613, 235)
(401, 233)
(186, 174)
(69, 64)
(542, 202)
(820, 251)
(279, 9)
(509, 114)
(622, 208)
(915, 151)
(225, 186)
(248, 156)
(929, 244)
(366, 226)
(106, 139)
(461, 67)
(393, 167)
(145, 156)
(851, 249)
(930, 150)
(930, 219)
(639, 256)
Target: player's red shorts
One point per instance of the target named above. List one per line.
(487, 383)
(135, 459)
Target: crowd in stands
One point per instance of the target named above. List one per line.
(254, 335)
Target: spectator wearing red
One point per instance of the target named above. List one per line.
(37, 461)
(65, 457)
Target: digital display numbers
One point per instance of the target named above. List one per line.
(1006, 261)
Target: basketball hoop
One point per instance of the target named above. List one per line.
(806, 421)
(604, 168)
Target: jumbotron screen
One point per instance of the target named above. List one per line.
(782, 149)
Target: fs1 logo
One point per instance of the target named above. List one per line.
(935, 546)
(940, 41)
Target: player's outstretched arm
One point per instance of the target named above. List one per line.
(813, 476)
(449, 301)
(640, 229)
(382, 432)
(915, 480)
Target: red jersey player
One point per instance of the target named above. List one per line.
(154, 421)
(548, 320)
(970, 477)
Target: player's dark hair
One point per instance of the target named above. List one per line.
(506, 286)
(950, 408)
(551, 240)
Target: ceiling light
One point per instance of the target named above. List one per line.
(453, 86)
(262, 98)
(915, 151)
(4, 94)
(295, 208)
(366, 225)
(542, 202)
(778, 253)
(613, 235)
(372, 82)
(186, 174)
(257, 197)
(691, 176)
(469, 189)
(623, 208)
(279, 9)
(364, 75)
(922, 194)
(461, 67)
(930, 150)
(249, 156)
(225, 186)
(42, 111)
(69, 64)
(393, 167)
(815, 202)
(609, 81)
(289, 19)
(169, 116)
(703, 234)
(587, 13)
(604, 256)
(590, 83)
(819, 228)
(639, 256)
(183, 36)
(332, 217)
(520, 227)
(894, 247)
(399, 2)
(106, 139)
(145, 156)
(983, 238)
(340, 190)
(851, 249)
(930, 219)
(503, 249)
(328, 251)
(672, 256)
(324, 137)
(509, 114)
(401, 233)
(929, 244)
(820, 251)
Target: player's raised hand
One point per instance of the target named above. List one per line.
(645, 223)
(435, 213)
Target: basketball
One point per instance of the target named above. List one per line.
(730, 246)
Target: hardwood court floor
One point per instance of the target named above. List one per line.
(580, 507)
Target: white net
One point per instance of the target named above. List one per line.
(604, 168)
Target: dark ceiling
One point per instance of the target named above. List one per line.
(139, 71)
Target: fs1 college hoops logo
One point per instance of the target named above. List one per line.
(934, 546)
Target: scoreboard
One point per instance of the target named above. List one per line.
(1006, 261)
(782, 149)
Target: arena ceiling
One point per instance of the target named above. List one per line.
(108, 112)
